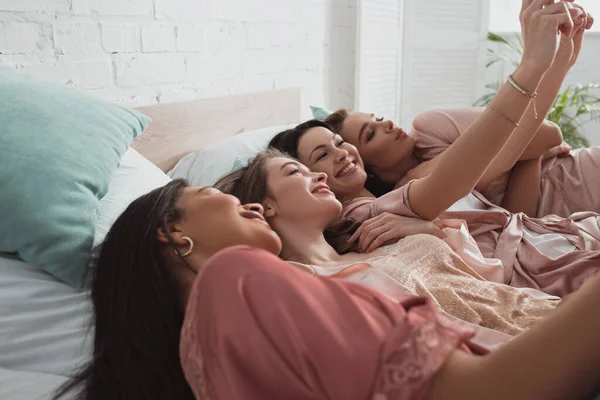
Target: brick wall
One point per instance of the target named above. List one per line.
(140, 52)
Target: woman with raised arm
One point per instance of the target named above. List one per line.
(299, 207)
(553, 254)
(533, 173)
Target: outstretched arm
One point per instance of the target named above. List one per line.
(435, 130)
(463, 164)
(556, 359)
(285, 334)
(519, 144)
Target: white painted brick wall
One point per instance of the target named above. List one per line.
(158, 38)
(140, 52)
(16, 37)
(120, 38)
(191, 37)
(78, 37)
(103, 8)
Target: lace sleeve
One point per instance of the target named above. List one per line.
(258, 328)
(415, 351)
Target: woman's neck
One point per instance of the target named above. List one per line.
(306, 244)
(397, 172)
(361, 192)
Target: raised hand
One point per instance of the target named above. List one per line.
(542, 23)
(570, 46)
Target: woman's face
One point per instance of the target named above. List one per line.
(381, 144)
(323, 151)
(214, 221)
(297, 194)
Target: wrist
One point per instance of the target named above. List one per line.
(529, 76)
(561, 65)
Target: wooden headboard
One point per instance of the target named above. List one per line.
(180, 128)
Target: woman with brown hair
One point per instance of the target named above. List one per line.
(552, 254)
(300, 208)
(182, 311)
(533, 173)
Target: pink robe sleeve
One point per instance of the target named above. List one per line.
(258, 328)
(394, 202)
(435, 130)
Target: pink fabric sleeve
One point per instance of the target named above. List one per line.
(435, 130)
(394, 202)
(257, 328)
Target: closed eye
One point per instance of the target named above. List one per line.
(294, 171)
(322, 156)
(379, 119)
(340, 143)
(370, 136)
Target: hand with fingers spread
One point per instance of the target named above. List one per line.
(542, 23)
(386, 228)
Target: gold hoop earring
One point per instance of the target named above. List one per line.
(189, 251)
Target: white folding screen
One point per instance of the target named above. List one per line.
(379, 63)
(444, 50)
(415, 55)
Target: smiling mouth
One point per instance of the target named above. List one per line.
(322, 189)
(349, 168)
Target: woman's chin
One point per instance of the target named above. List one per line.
(336, 209)
(271, 243)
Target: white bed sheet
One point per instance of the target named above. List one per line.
(44, 324)
(21, 385)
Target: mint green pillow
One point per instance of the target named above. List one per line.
(239, 163)
(319, 113)
(58, 150)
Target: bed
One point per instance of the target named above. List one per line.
(44, 324)
(45, 331)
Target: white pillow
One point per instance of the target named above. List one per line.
(206, 166)
(20, 385)
(44, 324)
(135, 177)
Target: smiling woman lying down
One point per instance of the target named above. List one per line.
(422, 265)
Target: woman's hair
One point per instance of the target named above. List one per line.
(287, 141)
(336, 119)
(249, 185)
(373, 184)
(138, 308)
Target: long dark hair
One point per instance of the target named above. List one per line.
(287, 141)
(137, 308)
(249, 185)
